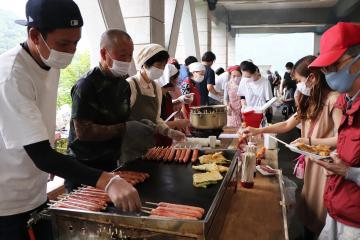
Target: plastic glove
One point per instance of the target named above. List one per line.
(176, 135)
(123, 194)
(182, 124)
(187, 99)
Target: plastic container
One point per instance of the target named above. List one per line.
(248, 167)
(253, 119)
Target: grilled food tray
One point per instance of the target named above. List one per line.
(308, 154)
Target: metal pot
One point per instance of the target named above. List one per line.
(208, 117)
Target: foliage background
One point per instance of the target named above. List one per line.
(12, 34)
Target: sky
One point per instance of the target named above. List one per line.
(15, 6)
(263, 49)
(18, 7)
(274, 49)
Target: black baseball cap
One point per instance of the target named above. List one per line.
(52, 14)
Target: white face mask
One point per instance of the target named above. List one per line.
(301, 87)
(56, 59)
(154, 72)
(236, 80)
(119, 68)
(199, 78)
(248, 78)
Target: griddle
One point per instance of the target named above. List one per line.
(168, 182)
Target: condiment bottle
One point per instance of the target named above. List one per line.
(248, 167)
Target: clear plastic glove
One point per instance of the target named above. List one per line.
(182, 124)
(123, 194)
(176, 135)
(187, 99)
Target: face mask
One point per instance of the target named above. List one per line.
(301, 87)
(154, 73)
(119, 68)
(56, 59)
(342, 81)
(236, 80)
(248, 78)
(199, 78)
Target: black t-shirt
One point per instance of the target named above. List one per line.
(103, 100)
(209, 78)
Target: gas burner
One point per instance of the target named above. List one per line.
(204, 133)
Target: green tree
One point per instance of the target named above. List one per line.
(79, 66)
(11, 34)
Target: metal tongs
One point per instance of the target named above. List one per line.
(171, 116)
(281, 141)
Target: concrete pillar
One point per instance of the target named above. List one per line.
(316, 44)
(231, 59)
(203, 19)
(144, 21)
(94, 26)
(219, 44)
(173, 15)
(188, 42)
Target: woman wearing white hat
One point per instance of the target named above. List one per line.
(146, 94)
(188, 86)
(168, 83)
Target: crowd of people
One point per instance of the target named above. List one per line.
(112, 109)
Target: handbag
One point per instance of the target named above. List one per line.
(299, 169)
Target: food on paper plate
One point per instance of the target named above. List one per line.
(209, 167)
(217, 158)
(322, 150)
(205, 179)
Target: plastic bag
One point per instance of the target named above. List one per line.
(290, 197)
(299, 169)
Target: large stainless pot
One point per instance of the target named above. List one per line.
(208, 117)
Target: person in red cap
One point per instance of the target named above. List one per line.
(339, 60)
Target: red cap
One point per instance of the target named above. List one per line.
(335, 41)
(234, 68)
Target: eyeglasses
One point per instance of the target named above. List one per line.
(335, 66)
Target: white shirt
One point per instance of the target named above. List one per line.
(219, 86)
(28, 112)
(146, 90)
(256, 93)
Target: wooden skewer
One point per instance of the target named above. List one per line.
(147, 208)
(152, 203)
(144, 211)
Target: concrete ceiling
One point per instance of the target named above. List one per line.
(284, 16)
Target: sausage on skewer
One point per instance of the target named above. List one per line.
(195, 155)
(187, 155)
(183, 152)
(172, 154)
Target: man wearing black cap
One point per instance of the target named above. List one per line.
(29, 75)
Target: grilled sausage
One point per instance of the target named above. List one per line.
(187, 155)
(182, 156)
(178, 153)
(195, 155)
(172, 154)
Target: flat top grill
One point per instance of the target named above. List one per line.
(172, 182)
(168, 182)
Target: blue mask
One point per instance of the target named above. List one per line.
(342, 81)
